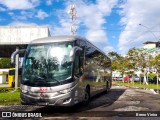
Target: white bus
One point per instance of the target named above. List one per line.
(63, 71)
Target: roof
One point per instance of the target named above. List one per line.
(19, 35)
(149, 42)
(30, 26)
(56, 39)
(153, 50)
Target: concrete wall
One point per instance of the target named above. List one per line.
(21, 34)
(3, 77)
(149, 46)
(4, 70)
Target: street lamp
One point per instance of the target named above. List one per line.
(149, 30)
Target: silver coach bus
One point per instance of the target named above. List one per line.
(63, 71)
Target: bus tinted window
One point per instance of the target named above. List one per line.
(11, 72)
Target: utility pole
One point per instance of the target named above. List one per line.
(73, 14)
(17, 68)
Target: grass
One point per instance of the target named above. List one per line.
(7, 89)
(9, 97)
(137, 84)
(5, 83)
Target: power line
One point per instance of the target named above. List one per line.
(120, 30)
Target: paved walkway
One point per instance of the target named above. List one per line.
(4, 85)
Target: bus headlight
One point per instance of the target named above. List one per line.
(65, 91)
(24, 91)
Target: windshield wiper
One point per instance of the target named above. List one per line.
(54, 80)
(45, 80)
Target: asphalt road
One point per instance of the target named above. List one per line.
(119, 103)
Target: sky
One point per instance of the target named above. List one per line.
(111, 25)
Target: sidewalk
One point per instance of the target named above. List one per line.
(4, 85)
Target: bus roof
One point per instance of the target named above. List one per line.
(56, 39)
(63, 39)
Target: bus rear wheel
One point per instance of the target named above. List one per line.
(87, 96)
(107, 87)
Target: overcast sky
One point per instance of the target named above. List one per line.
(112, 25)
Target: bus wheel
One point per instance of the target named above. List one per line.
(87, 96)
(107, 87)
(23, 103)
(13, 84)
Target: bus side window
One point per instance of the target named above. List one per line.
(82, 44)
(76, 64)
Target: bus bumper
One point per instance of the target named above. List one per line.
(68, 99)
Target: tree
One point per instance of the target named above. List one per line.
(5, 62)
(119, 63)
(155, 63)
(138, 60)
(133, 59)
(113, 55)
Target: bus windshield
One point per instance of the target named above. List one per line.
(47, 64)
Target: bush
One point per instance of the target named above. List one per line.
(8, 89)
(152, 75)
(5, 62)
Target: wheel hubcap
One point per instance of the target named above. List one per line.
(86, 96)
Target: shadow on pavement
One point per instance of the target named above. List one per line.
(100, 100)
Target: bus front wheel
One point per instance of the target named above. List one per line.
(23, 103)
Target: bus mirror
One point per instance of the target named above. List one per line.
(73, 51)
(20, 71)
(12, 65)
(15, 53)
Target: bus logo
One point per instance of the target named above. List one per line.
(41, 95)
(43, 89)
(6, 114)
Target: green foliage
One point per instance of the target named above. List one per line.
(2, 90)
(136, 57)
(114, 55)
(152, 75)
(5, 62)
(136, 84)
(8, 98)
(120, 64)
(156, 62)
(141, 75)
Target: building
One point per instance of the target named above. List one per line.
(152, 47)
(149, 45)
(13, 37)
(19, 36)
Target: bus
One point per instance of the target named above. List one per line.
(63, 71)
(11, 77)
